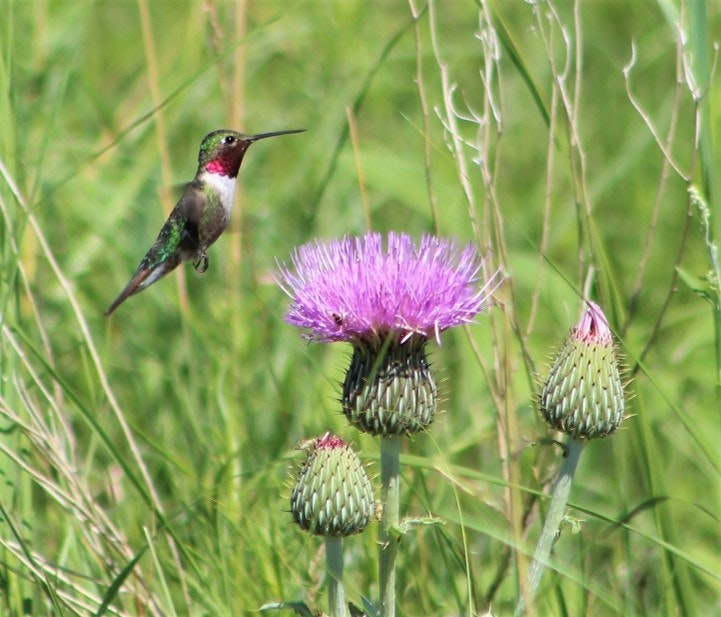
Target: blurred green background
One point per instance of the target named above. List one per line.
(151, 450)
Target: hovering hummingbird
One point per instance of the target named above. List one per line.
(201, 214)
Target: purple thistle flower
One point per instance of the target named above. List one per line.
(354, 289)
(387, 302)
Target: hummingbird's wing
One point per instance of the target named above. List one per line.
(178, 240)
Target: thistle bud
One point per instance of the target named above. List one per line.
(332, 495)
(583, 394)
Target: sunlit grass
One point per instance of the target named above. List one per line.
(145, 457)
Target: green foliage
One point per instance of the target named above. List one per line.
(144, 457)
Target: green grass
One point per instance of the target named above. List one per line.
(145, 457)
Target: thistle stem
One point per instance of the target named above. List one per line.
(556, 509)
(389, 539)
(334, 566)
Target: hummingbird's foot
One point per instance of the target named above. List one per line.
(202, 264)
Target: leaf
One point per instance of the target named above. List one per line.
(407, 523)
(701, 286)
(300, 608)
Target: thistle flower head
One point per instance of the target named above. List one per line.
(332, 495)
(387, 302)
(355, 289)
(583, 394)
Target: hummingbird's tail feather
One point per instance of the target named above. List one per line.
(131, 288)
(144, 277)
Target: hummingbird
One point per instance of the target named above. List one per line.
(202, 213)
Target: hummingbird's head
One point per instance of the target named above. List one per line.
(222, 152)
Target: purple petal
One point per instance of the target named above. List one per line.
(353, 288)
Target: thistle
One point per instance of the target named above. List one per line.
(582, 397)
(332, 497)
(387, 303)
(583, 394)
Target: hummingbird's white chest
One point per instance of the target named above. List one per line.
(224, 187)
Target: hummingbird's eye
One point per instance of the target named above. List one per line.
(228, 139)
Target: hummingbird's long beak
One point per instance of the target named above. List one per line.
(273, 134)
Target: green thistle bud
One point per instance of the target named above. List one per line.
(389, 389)
(332, 495)
(583, 394)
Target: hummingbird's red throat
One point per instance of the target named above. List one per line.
(217, 166)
